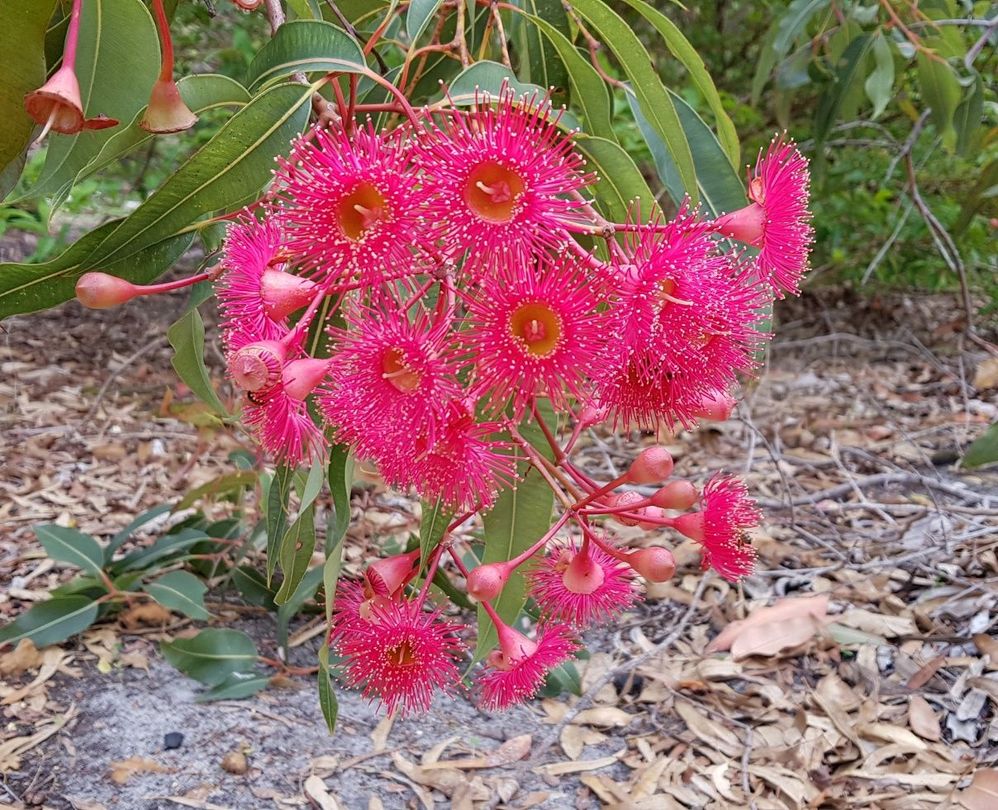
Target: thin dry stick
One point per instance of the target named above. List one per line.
(117, 373)
(626, 668)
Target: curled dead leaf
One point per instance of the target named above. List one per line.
(771, 617)
(124, 769)
(23, 657)
(922, 719)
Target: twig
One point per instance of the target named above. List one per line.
(352, 31)
(878, 479)
(626, 668)
(977, 47)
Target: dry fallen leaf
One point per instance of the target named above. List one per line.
(381, 731)
(982, 792)
(147, 613)
(23, 657)
(235, 762)
(923, 719)
(315, 791)
(575, 738)
(563, 768)
(123, 770)
(771, 617)
(987, 645)
(986, 376)
(604, 716)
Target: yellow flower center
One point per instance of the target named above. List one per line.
(537, 328)
(492, 192)
(360, 210)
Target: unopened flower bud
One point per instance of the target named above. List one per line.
(716, 407)
(302, 376)
(257, 366)
(592, 414)
(283, 293)
(625, 499)
(692, 525)
(651, 517)
(653, 464)
(676, 495)
(103, 291)
(485, 582)
(655, 564)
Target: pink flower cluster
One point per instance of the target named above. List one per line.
(462, 284)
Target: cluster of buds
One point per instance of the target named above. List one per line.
(468, 288)
(57, 105)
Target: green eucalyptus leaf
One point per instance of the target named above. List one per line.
(846, 76)
(880, 82)
(652, 97)
(794, 22)
(180, 591)
(436, 517)
(295, 552)
(968, 116)
(122, 537)
(679, 46)
(71, 546)
(187, 338)
(940, 90)
(619, 183)
(486, 77)
(22, 41)
(327, 693)
(521, 516)
(418, 17)
(542, 63)
(277, 513)
(305, 46)
(236, 686)
(51, 622)
(984, 450)
(339, 475)
(212, 655)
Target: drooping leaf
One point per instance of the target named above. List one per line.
(305, 46)
(968, 116)
(212, 655)
(186, 336)
(327, 693)
(122, 537)
(73, 547)
(277, 513)
(339, 475)
(720, 189)
(295, 552)
(880, 82)
(794, 22)
(541, 61)
(51, 622)
(305, 590)
(682, 50)
(233, 165)
(940, 89)
(180, 591)
(22, 40)
(521, 516)
(418, 17)
(846, 75)
(651, 94)
(116, 63)
(619, 182)
(589, 91)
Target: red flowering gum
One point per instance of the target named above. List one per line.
(353, 205)
(518, 668)
(727, 512)
(501, 179)
(393, 380)
(279, 416)
(466, 466)
(254, 293)
(778, 221)
(683, 320)
(581, 586)
(400, 656)
(535, 333)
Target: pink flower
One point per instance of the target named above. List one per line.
(727, 512)
(582, 587)
(535, 333)
(353, 205)
(778, 221)
(400, 655)
(519, 667)
(278, 414)
(683, 319)
(465, 466)
(393, 380)
(500, 178)
(254, 293)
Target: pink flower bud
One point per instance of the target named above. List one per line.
(653, 464)
(102, 291)
(651, 518)
(592, 414)
(746, 224)
(387, 576)
(302, 376)
(627, 499)
(676, 495)
(167, 111)
(283, 293)
(655, 564)
(485, 582)
(257, 366)
(716, 407)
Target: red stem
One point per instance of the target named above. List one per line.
(163, 25)
(72, 36)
